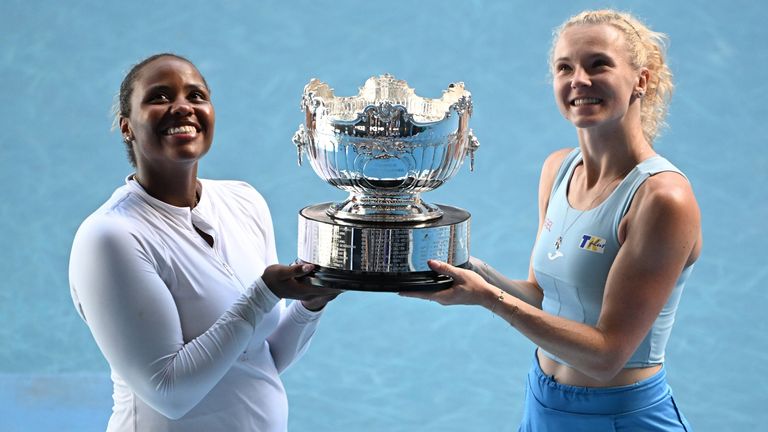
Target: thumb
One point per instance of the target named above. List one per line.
(301, 269)
(442, 268)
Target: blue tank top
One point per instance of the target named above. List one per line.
(573, 278)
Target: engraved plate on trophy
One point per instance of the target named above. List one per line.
(384, 147)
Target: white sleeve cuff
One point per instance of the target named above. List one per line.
(263, 298)
(301, 315)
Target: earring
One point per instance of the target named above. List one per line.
(640, 93)
(127, 139)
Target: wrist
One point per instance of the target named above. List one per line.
(490, 297)
(504, 305)
(314, 305)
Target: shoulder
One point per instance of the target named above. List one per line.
(121, 220)
(238, 190)
(549, 171)
(666, 190)
(665, 202)
(117, 216)
(235, 188)
(103, 235)
(664, 221)
(239, 197)
(555, 160)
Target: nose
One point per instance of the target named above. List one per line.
(580, 78)
(181, 107)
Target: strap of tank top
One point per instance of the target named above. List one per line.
(565, 168)
(628, 188)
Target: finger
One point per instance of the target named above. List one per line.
(424, 295)
(322, 291)
(326, 298)
(311, 290)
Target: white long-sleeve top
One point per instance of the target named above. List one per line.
(194, 338)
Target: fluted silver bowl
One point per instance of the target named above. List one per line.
(385, 146)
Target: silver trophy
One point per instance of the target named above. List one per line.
(384, 147)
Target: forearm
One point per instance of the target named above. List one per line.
(585, 348)
(525, 290)
(176, 382)
(291, 338)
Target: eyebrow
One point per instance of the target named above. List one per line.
(187, 87)
(196, 86)
(588, 56)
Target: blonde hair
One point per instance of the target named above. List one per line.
(647, 49)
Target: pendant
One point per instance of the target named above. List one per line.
(557, 254)
(554, 256)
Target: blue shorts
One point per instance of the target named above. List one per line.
(643, 406)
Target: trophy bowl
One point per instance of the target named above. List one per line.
(384, 147)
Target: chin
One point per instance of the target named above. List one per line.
(584, 123)
(191, 153)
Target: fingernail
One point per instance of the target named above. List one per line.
(306, 267)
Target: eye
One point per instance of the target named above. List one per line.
(198, 96)
(562, 68)
(157, 97)
(601, 63)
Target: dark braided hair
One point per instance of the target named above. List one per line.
(122, 107)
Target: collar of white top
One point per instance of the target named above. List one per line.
(183, 212)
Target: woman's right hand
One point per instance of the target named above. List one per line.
(286, 282)
(468, 287)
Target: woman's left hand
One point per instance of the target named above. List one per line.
(468, 287)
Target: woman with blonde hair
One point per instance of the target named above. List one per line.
(619, 232)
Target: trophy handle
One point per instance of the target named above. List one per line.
(474, 144)
(300, 139)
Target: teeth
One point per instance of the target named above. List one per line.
(586, 101)
(180, 130)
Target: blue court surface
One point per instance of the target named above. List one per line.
(379, 362)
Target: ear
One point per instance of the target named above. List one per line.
(125, 129)
(641, 86)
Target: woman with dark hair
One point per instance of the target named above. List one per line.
(177, 277)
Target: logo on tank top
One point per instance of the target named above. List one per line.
(592, 243)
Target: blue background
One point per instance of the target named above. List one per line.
(379, 362)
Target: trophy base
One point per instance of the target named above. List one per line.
(381, 256)
(380, 282)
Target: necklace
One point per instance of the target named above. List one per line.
(557, 254)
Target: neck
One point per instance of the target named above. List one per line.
(611, 153)
(174, 188)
